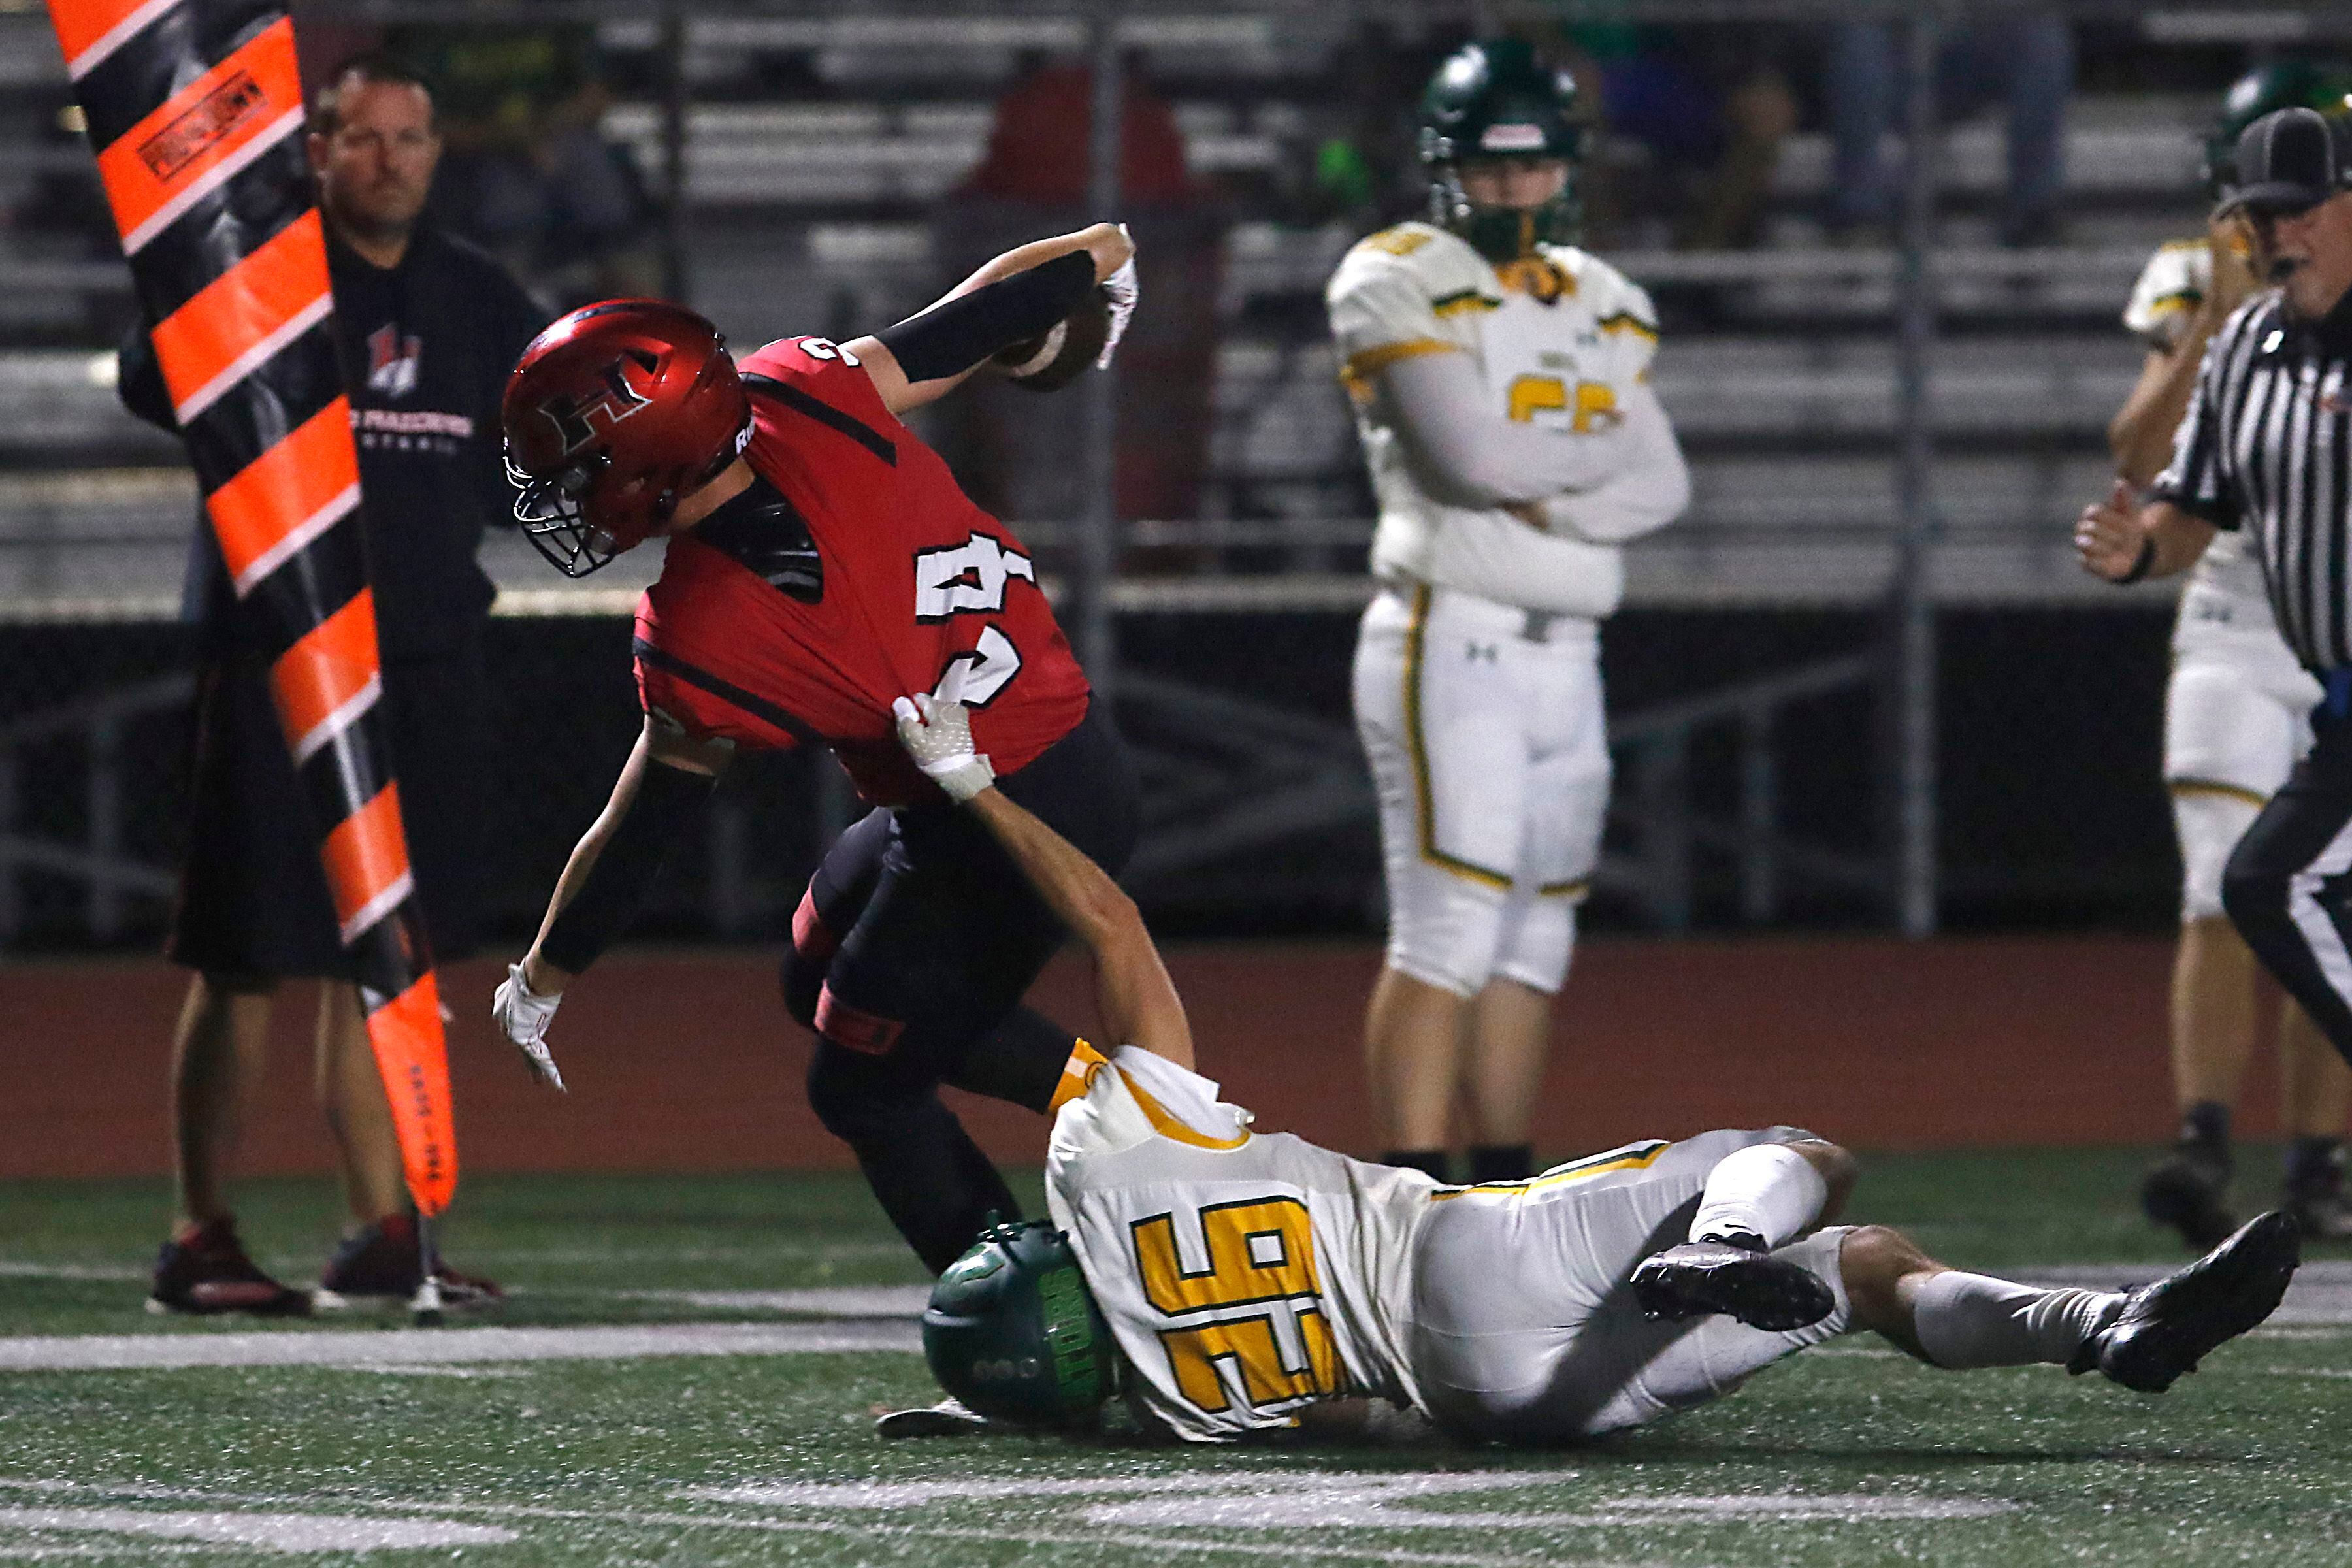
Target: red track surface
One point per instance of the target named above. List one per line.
(687, 1062)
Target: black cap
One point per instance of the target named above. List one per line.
(2288, 161)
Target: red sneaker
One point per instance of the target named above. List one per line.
(203, 1270)
(381, 1263)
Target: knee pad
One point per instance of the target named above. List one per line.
(2209, 825)
(1444, 930)
(1538, 940)
(800, 977)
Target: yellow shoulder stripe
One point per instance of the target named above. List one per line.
(1361, 367)
(1467, 299)
(1626, 321)
(2179, 300)
(1077, 1076)
(1397, 241)
(1173, 1127)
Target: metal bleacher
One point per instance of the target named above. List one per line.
(815, 149)
(800, 211)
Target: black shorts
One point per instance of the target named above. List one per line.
(918, 935)
(253, 898)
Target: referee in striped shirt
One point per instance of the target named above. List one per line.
(2266, 445)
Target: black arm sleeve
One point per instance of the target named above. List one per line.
(950, 338)
(668, 801)
(139, 380)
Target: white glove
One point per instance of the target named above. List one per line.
(1120, 286)
(937, 732)
(522, 1016)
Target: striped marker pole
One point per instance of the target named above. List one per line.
(194, 108)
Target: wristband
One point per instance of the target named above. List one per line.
(2140, 564)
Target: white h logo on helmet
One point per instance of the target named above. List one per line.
(1512, 139)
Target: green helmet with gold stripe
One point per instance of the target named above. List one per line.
(2323, 85)
(1493, 99)
(1012, 1331)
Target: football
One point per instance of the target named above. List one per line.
(1054, 359)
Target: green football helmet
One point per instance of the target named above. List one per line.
(1012, 1331)
(2323, 85)
(1492, 98)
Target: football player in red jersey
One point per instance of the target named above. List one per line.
(821, 562)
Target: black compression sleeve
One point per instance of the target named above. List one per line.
(668, 801)
(950, 338)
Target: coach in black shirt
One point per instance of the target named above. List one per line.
(428, 329)
(2266, 447)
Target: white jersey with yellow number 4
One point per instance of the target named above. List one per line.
(1244, 1274)
(1561, 339)
(2224, 598)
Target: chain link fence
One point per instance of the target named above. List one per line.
(832, 170)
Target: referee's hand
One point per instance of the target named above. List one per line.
(2109, 536)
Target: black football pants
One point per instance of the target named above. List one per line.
(2288, 885)
(911, 952)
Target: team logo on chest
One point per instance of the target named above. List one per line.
(392, 361)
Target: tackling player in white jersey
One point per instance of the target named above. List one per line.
(1229, 1280)
(1500, 377)
(2235, 721)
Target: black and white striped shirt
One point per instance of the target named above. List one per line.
(2266, 447)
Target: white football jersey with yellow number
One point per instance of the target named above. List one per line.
(1244, 1275)
(1560, 340)
(2225, 598)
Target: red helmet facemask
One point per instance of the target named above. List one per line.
(612, 415)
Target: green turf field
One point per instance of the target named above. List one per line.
(603, 1427)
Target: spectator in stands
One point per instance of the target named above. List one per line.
(1018, 456)
(428, 328)
(528, 175)
(2027, 63)
(1362, 167)
(1711, 106)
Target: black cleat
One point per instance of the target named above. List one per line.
(1743, 1282)
(2317, 1203)
(2189, 1192)
(2167, 1328)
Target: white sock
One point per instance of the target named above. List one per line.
(1767, 1190)
(1972, 1320)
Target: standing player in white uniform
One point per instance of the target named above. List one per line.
(1500, 378)
(1228, 1279)
(2235, 720)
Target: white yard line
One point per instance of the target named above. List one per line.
(11, 1268)
(289, 1532)
(864, 1527)
(833, 1301)
(443, 1347)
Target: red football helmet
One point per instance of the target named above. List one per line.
(612, 415)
